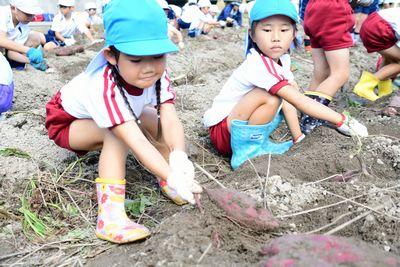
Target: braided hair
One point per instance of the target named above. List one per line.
(120, 85)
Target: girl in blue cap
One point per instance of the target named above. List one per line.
(123, 101)
(246, 111)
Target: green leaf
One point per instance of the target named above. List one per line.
(14, 152)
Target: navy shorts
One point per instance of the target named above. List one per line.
(51, 37)
(14, 64)
(368, 9)
(182, 24)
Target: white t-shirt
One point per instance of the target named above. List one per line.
(94, 95)
(67, 28)
(18, 33)
(6, 76)
(201, 17)
(256, 71)
(392, 16)
(191, 14)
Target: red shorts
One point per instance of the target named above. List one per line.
(377, 34)
(329, 23)
(221, 137)
(58, 122)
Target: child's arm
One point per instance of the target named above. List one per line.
(172, 128)
(11, 45)
(308, 106)
(144, 151)
(344, 124)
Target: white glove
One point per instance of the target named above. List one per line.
(178, 182)
(179, 162)
(96, 41)
(351, 127)
(69, 41)
(181, 45)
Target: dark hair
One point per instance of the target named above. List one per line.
(253, 30)
(119, 82)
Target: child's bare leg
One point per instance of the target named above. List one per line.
(321, 68)
(292, 120)
(258, 107)
(391, 61)
(35, 39)
(16, 56)
(86, 135)
(150, 124)
(49, 46)
(112, 163)
(338, 61)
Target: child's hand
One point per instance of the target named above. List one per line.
(69, 41)
(179, 182)
(351, 127)
(179, 162)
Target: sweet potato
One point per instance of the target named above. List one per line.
(243, 209)
(69, 50)
(321, 250)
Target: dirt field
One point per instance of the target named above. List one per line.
(49, 189)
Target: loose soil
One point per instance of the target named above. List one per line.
(51, 176)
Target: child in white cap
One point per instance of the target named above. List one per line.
(202, 23)
(21, 45)
(247, 110)
(6, 86)
(65, 24)
(92, 17)
(174, 34)
(124, 102)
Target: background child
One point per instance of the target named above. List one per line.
(6, 86)
(108, 107)
(65, 25)
(231, 14)
(21, 44)
(202, 23)
(361, 13)
(380, 33)
(174, 34)
(190, 12)
(91, 15)
(245, 112)
(328, 23)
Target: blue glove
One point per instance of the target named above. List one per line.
(40, 66)
(35, 55)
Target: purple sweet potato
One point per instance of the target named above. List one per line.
(243, 209)
(321, 250)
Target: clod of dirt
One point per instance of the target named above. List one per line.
(321, 250)
(243, 209)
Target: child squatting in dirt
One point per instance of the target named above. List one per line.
(328, 24)
(22, 46)
(381, 33)
(247, 110)
(110, 107)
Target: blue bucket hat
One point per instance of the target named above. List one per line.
(137, 27)
(266, 8)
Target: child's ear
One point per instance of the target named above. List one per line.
(110, 57)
